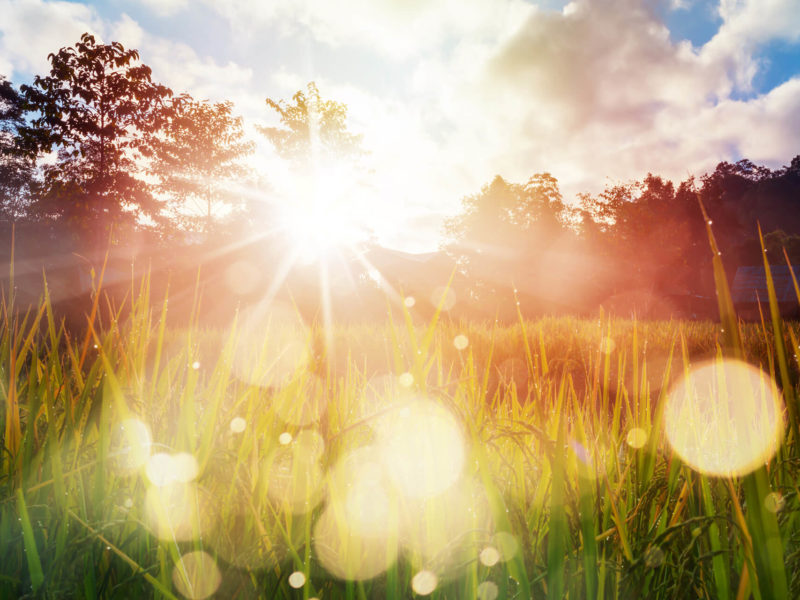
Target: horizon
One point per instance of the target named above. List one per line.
(446, 100)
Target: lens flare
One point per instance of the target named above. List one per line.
(506, 544)
(422, 448)
(724, 418)
(359, 492)
(488, 591)
(272, 347)
(238, 425)
(163, 469)
(607, 345)
(308, 445)
(489, 556)
(178, 512)
(196, 575)
(636, 438)
(242, 539)
(130, 445)
(346, 553)
(405, 380)
(356, 537)
(447, 532)
(654, 557)
(460, 342)
(294, 481)
(297, 580)
(302, 402)
(774, 502)
(445, 297)
(424, 582)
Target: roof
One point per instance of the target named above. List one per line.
(750, 284)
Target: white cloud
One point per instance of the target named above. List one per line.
(165, 8)
(747, 25)
(599, 91)
(395, 28)
(32, 29)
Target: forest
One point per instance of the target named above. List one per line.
(97, 157)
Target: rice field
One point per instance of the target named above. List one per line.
(562, 457)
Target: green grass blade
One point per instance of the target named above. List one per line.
(31, 551)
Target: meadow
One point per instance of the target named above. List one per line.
(275, 459)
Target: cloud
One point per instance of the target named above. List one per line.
(599, 92)
(596, 91)
(32, 29)
(165, 8)
(395, 28)
(748, 25)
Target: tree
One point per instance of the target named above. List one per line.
(100, 109)
(504, 233)
(506, 219)
(197, 160)
(648, 229)
(312, 129)
(16, 171)
(317, 201)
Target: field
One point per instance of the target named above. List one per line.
(442, 458)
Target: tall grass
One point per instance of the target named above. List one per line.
(568, 488)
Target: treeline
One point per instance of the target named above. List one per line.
(96, 152)
(635, 245)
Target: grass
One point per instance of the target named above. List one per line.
(567, 486)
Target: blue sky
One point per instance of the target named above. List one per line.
(449, 93)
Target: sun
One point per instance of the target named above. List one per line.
(323, 213)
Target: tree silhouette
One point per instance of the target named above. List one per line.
(100, 109)
(312, 129)
(505, 231)
(16, 171)
(197, 160)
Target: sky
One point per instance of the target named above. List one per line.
(449, 93)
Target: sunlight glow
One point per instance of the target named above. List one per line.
(297, 580)
(178, 512)
(424, 582)
(347, 554)
(724, 418)
(422, 447)
(460, 342)
(163, 469)
(636, 438)
(272, 345)
(446, 532)
(444, 297)
(238, 425)
(323, 211)
(196, 575)
(489, 556)
(506, 544)
(488, 591)
(294, 480)
(130, 445)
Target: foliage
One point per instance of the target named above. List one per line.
(100, 109)
(16, 172)
(198, 160)
(313, 130)
(502, 230)
(650, 229)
